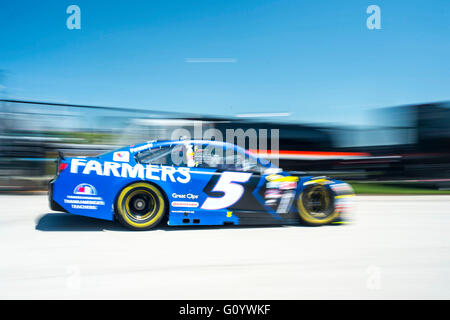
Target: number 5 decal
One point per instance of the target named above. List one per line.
(232, 191)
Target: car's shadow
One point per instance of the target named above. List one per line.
(69, 222)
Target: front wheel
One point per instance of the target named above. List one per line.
(140, 206)
(316, 205)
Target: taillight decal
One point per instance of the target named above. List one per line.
(62, 166)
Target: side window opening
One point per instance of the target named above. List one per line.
(210, 156)
(206, 156)
(160, 156)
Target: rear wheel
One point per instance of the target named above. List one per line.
(140, 206)
(316, 205)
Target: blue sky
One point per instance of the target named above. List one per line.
(314, 59)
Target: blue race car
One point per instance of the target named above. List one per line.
(193, 182)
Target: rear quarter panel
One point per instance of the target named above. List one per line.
(90, 186)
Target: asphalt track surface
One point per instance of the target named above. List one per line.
(397, 248)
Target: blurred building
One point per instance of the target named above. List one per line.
(411, 142)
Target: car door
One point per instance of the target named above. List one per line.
(236, 181)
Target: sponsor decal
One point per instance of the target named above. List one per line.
(85, 189)
(271, 202)
(273, 185)
(182, 211)
(321, 181)
(272, 193)
(286, 202)
(125, 170)
(82, 206)
(286, 181)
(280, 192)
(121, 156)
(84, 198)
(185, 196)
(273, 177)
(341, 187)
(187, 204)
(288, 185)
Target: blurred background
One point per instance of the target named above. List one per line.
(366, 105)
(416, 159)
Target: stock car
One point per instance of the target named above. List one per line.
(193, 182)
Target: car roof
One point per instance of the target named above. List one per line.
(154, 143)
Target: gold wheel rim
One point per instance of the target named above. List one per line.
(147, 214)
(121, 207)
(313, 219)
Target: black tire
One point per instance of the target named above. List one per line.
(140, 206)
(316, 205)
